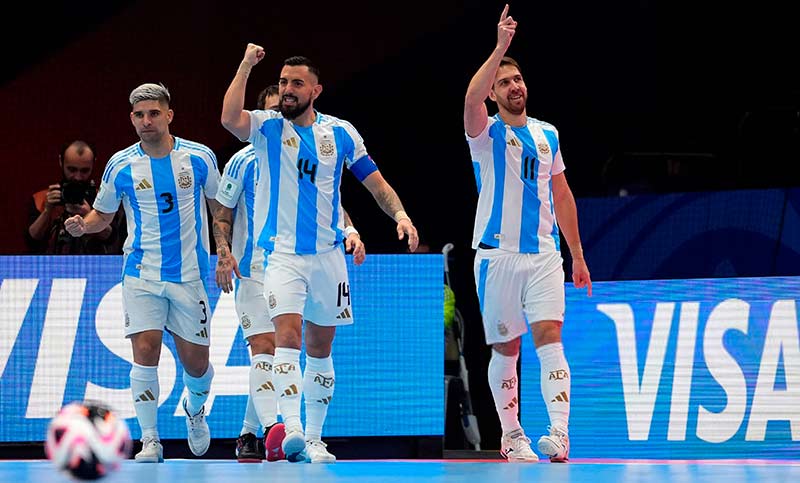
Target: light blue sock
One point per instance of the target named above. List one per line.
(198, 389)
(145, 389)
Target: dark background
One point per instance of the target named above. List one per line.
(648, 97)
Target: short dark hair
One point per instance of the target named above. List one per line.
(150, 92)
(267, 92)
(509, 61)
(80, 146)
(300, 60)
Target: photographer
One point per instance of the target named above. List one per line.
(74, 194)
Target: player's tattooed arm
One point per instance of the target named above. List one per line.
(226, 263)
(223, 223)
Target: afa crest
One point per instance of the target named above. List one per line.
(185, 180)
(543, 148)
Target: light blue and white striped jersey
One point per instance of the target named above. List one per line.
(513, 170)
(300, 170)
(237, 191)
(165, 206)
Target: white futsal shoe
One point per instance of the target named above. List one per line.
(294, 445)
(555, 445)
(317, 452)
(516, 447)
(199, 436)
(152, 451)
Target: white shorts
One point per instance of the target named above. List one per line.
(251, 307)
(181, 308)
(517, 289)
(315, 286)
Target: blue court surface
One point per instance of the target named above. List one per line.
(433, 471)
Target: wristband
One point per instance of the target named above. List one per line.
(350, 230)
(401, 215)
(244, 68)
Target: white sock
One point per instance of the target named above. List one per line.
(318, 383)
(198, 389)
(505, 390)
(250, 423)
(145, 389)
(288, 383)
(262, 391)
(555, 382)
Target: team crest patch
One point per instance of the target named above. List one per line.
(502, 329)
(184, 180)
(543, 148)
(272, 302)
(246, 322)
(326, 148)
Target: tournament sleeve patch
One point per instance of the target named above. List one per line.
(228, 191)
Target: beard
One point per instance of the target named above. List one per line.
(292, 112)
(151, 136)
(515, 108)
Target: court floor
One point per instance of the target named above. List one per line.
(433, 471)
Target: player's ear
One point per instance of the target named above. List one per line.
(316, 91)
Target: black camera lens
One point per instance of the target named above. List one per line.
(75, 192)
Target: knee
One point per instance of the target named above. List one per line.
(196, 367)
(288, 331)
(546, 332)
(262, 343)
(508, 349)
(195, 362)
(318, 349)
(146, 352)
(319, 340)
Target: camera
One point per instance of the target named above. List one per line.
(75, 192)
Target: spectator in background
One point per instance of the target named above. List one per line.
(73, 195)
(268, 99)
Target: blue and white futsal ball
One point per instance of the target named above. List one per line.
(87, 441)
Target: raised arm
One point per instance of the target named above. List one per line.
(475, 112)
(390, 204)
(234, 118)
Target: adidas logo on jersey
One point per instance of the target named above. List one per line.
(203, 333)
(291, 142)
(144, 185)
(514, 142)
(345, 314)
(145, 396)
(562, 397)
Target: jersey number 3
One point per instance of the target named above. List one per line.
(168, 200)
